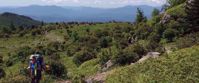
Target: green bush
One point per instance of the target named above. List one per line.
(170, 34)
(82, 56)
(104, 41)
(137, 48)
(107, 53)
(56, 46)
(124, 58)
(23, 53)
(187, 41)
(129, 55)
(57, 69)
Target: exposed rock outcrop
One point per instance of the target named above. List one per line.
(192, 10)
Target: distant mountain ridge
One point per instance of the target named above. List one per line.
(88, 14)
(6, 19)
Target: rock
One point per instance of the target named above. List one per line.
(153, 54)
(165, 18)
(107, 65)
(149, 55)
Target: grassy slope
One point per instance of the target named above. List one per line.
(177, 11)
(178, 67)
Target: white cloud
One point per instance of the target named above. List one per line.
(60, 1)
(107, 2)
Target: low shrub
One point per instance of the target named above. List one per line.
(83, 56)
(57, 69)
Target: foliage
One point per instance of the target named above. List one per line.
(107, 54)
(175, 67)
(172, 3)
(82, 56)
(104, 42)
(155, 12)
(187, 41)
(57, 69)
(129, 55)
(140, 16)
(170, 34)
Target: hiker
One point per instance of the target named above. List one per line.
(36, 66)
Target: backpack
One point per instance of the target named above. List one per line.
(39, 62)
(36, 65)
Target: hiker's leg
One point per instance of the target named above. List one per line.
(32, 80)
(37, 80)
(38, 77)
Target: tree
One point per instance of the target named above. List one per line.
(140, 16)
(192, 11)
(155, 12)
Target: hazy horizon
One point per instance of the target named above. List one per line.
(81, 3)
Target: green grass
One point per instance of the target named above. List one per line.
(81, 29)
(89, 68)
(86, 69)
(177, 11)
(178, 67)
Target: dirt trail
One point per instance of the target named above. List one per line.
(99, 77)
(67, 81)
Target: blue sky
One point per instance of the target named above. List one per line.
(88, 3)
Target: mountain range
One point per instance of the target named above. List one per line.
(80, 14)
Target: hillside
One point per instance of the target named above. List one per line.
(6, 19)
(80, 14)
(109, 52)
(179, 67)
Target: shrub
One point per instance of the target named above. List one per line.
(188, 40)
(107, 53)
(72, 49)
(104, 42)
(125, 58)
(56, 46)
(143, 31)
(83, 56)
(137, 48)
(23, 53)
(169, 34)
(129, 54)
(9, 63)
(57, 69)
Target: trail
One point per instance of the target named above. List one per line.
(101, 77)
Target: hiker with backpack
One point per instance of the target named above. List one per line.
(36, 66)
